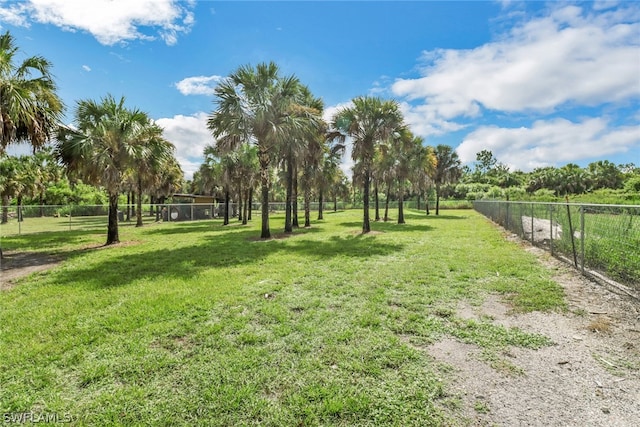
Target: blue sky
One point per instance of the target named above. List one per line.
(538, 84)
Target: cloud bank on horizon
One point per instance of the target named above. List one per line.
(559, 63)
(556, 86)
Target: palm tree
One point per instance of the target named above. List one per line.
(154, 153)
(166, 182)
(407, 148)
(299, 150)
(220, 166)
(368, 122)
(329, 177)
(46, 173)
(448, 170)
(423, 166)
(384, 173)
(30, 109)
(103, 147)
(315, 145)
(255, 105)
(10, 182)
(339, 188)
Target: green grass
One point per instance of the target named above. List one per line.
(197, 323)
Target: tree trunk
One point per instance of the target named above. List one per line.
(5, 209)
(250, 203)
(418, 208)
(139, 205)
(426, 203)
(307, 207)
(246, 208)
(288, 227)
(19, 208)
(263, 157)
(240, 203)
(375, 195)
(127, 210)
(437, 201)
(294, 196)
(335, 203)
(133, 203)
(401, 205)
(112, 227)
(366, 226)
(386, 204)
(320, 204)
(226, 206)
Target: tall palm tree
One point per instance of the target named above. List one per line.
(256, 105)
(103, 147)
(315, 145)
(406, 147)
(339, 188)
(448, 170)
(154, 153)
(423, 167)
(368, 122)
(167, 181)
(329, 176)
(220, 165)
(30, 109)
(248, 172)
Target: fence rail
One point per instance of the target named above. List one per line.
(597, 239)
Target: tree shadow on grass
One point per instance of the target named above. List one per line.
(387, 227)
(222, 250)
(48, 239)
(192, 226)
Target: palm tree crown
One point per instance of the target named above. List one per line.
(30, 109)
(258, 106)
(106, 143)
(368, 122)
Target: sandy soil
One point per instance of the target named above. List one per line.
(16, 265)
(589, 377)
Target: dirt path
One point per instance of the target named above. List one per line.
(16, 265)
(589, 377)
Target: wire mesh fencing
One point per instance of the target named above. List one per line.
(597, 239)
(18, 220)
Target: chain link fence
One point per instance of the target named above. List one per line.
(35, 219)
(600, 240)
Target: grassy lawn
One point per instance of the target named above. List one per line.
(200, 323)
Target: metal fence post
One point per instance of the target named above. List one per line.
(532, 212)
(551, 228)
(582, 237)
(507, 215)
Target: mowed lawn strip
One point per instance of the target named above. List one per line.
(202, 323)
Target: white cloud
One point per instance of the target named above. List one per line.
(109, 21)
(330, 111)
(13, 13)
(347, 162)
(199, 85)
(567, 57)
(550, 143)
(190, 135)
(86, 68)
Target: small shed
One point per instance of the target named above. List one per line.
(185, 207)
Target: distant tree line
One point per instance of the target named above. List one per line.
(269, 142)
